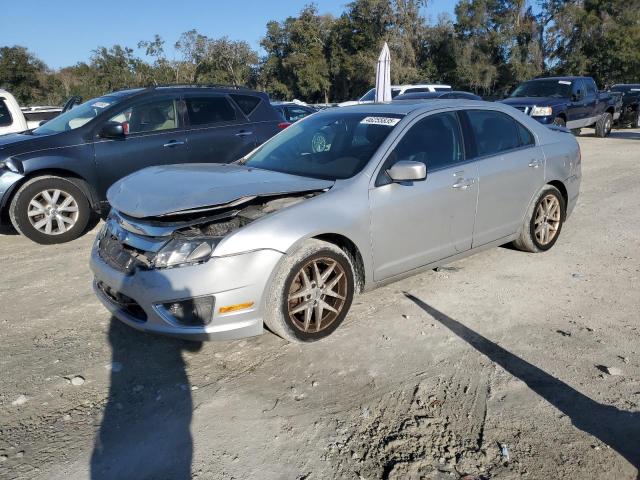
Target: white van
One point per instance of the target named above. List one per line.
(396, 90)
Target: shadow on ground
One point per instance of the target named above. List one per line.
(617, 135)
(145, 431)
(616, 428)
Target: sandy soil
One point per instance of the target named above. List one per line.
(498, 366)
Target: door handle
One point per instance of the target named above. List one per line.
(243, 134)
(173, 143)
(463, 183)
(535, 163)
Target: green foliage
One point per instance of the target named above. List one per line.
(490, 46)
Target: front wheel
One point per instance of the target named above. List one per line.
(50, 210)
(604, 124)
(311, 292)
(543, 222)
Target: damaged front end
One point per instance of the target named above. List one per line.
(181, 238)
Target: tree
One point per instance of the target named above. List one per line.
(21, 73)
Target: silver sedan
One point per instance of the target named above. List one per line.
(339, 203)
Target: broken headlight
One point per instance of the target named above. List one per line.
(185, 251)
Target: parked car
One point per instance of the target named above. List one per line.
(342, 201)
(14, 118)
(38, 115)
(630, 111)
(574, 102)
(292, 111)
(454, 94)
(53, 177)
(396, 90)
(11, 117)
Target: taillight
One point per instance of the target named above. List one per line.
(283, 125)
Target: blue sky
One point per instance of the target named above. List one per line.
(62, 33)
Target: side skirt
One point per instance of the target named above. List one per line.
(439, 263)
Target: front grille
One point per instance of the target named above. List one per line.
(119, 256)
(127, 304)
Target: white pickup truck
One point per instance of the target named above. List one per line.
(15, 119)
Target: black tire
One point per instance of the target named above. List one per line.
(603, 125)
(19, 210)
(559, 121)
(277, 304)
(528, 240)
(576, 131)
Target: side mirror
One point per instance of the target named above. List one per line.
(112, 130)
(407, 171)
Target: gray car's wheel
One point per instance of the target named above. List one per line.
(50, 210)
(543, 221)
(311, 292)
(603, 125)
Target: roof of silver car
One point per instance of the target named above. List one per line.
(408, 106)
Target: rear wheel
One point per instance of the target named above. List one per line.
(604, 124)
(543, 221)
(311, 292)
(50, 210)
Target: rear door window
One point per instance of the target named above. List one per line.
(526, 137)
(494, 132)
(297, 113)
(5, 115)
(247, 103)
(209, 110)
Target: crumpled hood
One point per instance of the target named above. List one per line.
(163, 190)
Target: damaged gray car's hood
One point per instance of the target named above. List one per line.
(169, 189)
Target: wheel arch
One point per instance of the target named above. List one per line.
(81, 182)
(563, 190)
(352, 250)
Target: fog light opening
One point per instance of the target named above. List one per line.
(193, 312)
(236, 307)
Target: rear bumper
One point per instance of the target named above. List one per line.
(238, 279)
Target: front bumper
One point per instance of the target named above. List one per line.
(232, 280)
(548, 120)
(8, 181)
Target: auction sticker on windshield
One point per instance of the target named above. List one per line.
(564, 82)
(100, 104)
(389, 121)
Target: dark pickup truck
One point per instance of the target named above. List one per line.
(630, 114)
(572, 102)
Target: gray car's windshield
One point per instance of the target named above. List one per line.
(329, 146)
(543, 88)
(78, 116)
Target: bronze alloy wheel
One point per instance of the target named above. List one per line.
(317, 295)
(547, 219)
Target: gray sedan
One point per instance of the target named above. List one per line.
(339, 203)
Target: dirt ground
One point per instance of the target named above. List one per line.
(504, 365)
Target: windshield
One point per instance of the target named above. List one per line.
(370, 96)
(77, 117)
(543, 88)
(328, 146)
